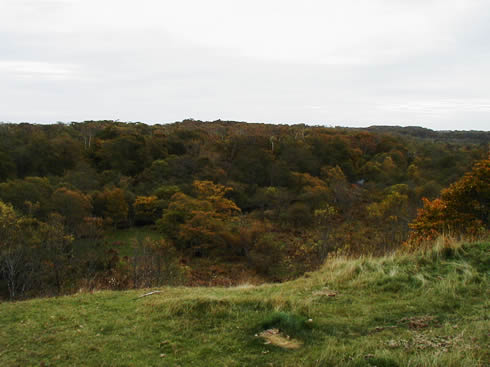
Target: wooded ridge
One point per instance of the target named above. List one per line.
(107, 204)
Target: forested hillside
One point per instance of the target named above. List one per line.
(106, 204)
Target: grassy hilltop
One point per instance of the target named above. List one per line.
(424, 309)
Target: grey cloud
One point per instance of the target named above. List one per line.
(154, 75)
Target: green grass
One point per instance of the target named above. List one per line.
(426, 309)
(122, 240)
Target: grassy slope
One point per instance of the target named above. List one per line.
(121, 240)
(410, 310)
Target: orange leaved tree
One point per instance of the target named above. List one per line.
(461, 209)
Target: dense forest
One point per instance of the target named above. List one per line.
(217, 202)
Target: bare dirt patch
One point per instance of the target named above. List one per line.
(420, 322)
(423, 340)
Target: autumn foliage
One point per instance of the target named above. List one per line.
(461, 209)
(276, 200)
(200, 222)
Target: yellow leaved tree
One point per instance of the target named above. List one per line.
(202, 222)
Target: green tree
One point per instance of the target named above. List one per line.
(127, 154)
(19, 240)
(147, 209)
(111, 204)
(392, 214)
(72, 205)
(56, 249)
(28, 194)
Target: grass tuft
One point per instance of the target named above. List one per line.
(291, 324)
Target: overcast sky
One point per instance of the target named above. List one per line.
(329, 62)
